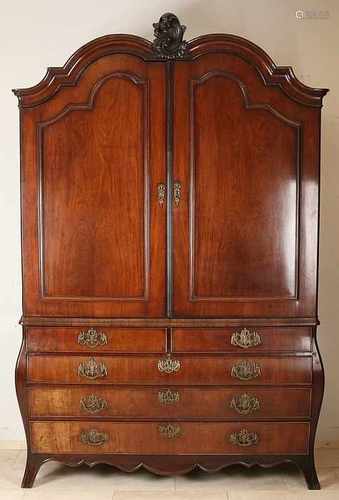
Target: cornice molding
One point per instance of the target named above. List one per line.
(170, 46)
(68, 74)
(167, 322)
(282, 76)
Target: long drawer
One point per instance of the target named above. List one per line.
(153, 370)
(71, 339)
(235, 340)
(169, 402)
(144, 438)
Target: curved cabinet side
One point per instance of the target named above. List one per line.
(33, 462)
(308, 466)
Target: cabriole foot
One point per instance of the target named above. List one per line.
(33, 465)
(310, 473)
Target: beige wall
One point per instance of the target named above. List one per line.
(41, 33)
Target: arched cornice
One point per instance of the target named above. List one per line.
(271, 74)
(68, 75)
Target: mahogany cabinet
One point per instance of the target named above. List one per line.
(170, 207)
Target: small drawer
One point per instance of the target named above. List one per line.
(155, 370)
(242, 339)
(169, 402)
(95, 339)
(249, 438)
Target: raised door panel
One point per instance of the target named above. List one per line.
(93, 174)
(237, 230)
(100, 157)
(244, 196)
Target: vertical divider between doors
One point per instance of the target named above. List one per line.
(169, 165)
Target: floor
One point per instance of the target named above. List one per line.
(56, 482)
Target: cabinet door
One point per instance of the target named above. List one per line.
(244, 230)
(97, 148)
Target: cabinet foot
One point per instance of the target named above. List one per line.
(310, 474)
(33, 465)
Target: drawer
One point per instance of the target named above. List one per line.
(194, 370)
(92, 339)
(270, 339)
(144, 438)
(169, 402)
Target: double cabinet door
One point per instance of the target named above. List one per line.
(137, 207)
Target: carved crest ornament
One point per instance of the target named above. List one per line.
(168, 42)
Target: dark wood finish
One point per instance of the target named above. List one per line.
(168, 42)
(144, 370)
(167, 322)
(233, 264)
(101, 181)
(170, 183)
(118, 340)
(232, 142)
(33, 464)
(281, 77)
(198, 403)
(240, 175)
(219, 340)
(64, 437)
(308, 465)
(112, 194)
(165, 465)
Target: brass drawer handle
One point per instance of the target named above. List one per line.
(91, 369)
(244, 438)
(170, 431)
(161, 194)
(246, 370)
(245, 404)
(92, 338)
(176, 193)
(168, 365)
(168, 397)
(246, 338)
(93, 404)
(94, 437)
